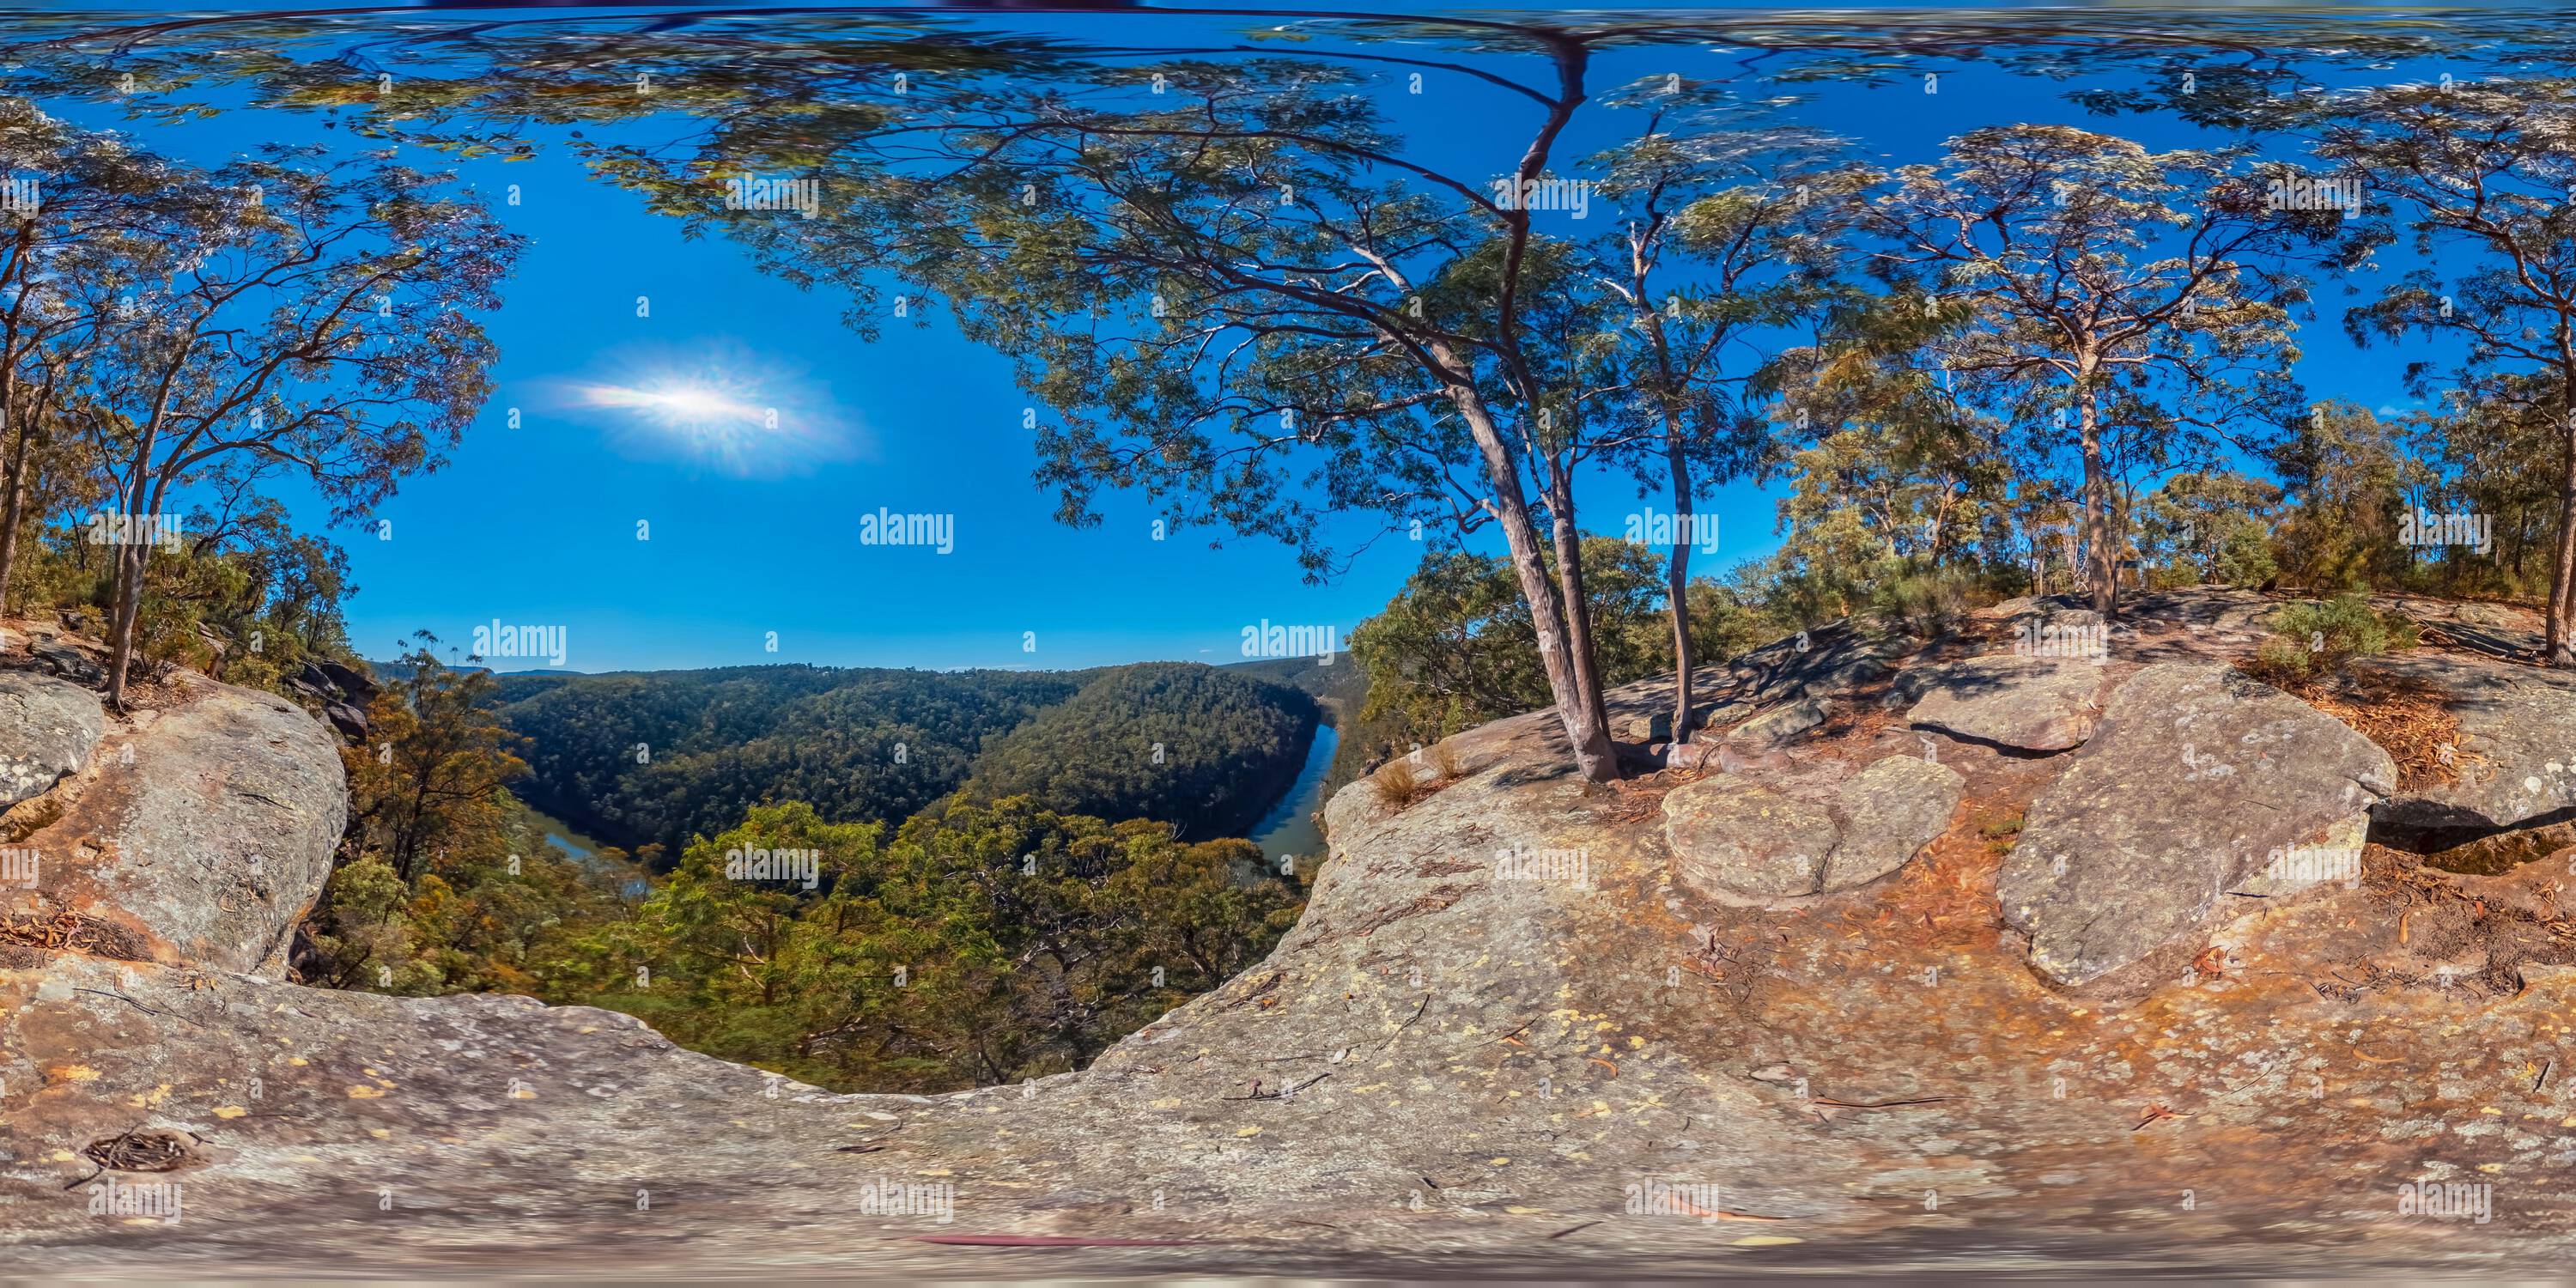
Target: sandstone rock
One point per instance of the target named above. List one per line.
(1823, 663)
(66, 662)
(210, 843)
(47, 729)
(1732, 836)
(1778, 725)
(1890, 810)
(2517, 728)
(2009, 700)
(2194, 777)
(1482, 1071)
(1742, 841)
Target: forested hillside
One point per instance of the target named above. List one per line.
(1200, 748)
(654, 758)
(1336, 686)
(650, 758)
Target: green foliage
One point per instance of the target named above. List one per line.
(873, 745)
(2348, 477)
(657, 758)
(444, 884)
(1454, 648)
(2313, 639)
(2210, 528)
(983, 944)
(1202, 749)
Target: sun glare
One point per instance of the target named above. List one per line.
(729, 412)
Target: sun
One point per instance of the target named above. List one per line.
(720, 407)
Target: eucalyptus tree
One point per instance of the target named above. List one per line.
(74, 204)
(2094, 284)
(1730, 234)
(319, 320)
(2480, 178)
(1233, 289)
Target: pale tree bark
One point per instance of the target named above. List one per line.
(2560, 646)
(1578, 618)
(2100, 572)
(1677, 578)
(133, 560)
(1585, 730)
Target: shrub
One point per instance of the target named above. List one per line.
(2317, 639)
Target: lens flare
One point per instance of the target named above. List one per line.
(724, 409)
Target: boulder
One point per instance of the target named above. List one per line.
(1744, 842)
(47, 729)
(2517, 739)
(1889, 811)
(1826, 662)
(66, 662)
(2196, 776)
(1777, 725)
(351, 722)
(1736, 838)
(2010, 700)
(208, 841)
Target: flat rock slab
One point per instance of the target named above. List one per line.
(48, 728)
(2518, 728)
(1777, 725)
(207, 843)
(1744, 842)
(2010, 700)
(2196, 777)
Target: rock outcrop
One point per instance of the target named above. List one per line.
(2516, 758)
(2010, 700)
(1445, 1067)
(1742, 841)
(47, 730)
(2198, 778)
(200, 835)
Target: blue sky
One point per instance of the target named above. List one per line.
(538, 524)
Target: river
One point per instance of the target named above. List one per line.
(1291, 827)
(585, 852)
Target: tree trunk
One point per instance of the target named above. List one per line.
(12, 512)
(1578, 617)
(1589, 736)
(131, 558)
(1677, 579)
(2560, 649)
(2102, 574)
